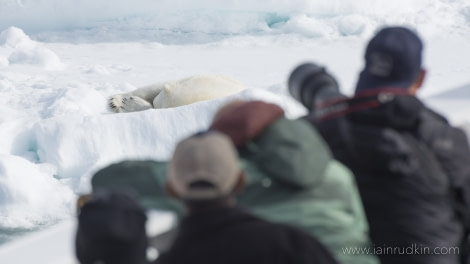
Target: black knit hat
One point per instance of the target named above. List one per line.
(111, 230)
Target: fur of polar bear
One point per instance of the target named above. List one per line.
(175, 93)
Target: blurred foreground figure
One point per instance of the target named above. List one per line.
(412, 167)
(291, 178)
(111, 230)
(205, 175)
(294, 179)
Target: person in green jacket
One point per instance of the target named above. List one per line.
(291, 178)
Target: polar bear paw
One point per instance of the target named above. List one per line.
(115, 103)
(128, 103)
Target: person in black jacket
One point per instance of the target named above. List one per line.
(111, 229)
(412, 167)
(205, 175)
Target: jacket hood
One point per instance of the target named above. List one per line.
(289, 151)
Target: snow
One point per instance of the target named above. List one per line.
(56, 245)
(61, 60)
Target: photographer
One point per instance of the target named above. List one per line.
(411, 166)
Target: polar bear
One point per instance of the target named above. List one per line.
(175, 93)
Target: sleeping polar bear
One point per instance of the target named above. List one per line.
(175, 93)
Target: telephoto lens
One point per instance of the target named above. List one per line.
(311, 84)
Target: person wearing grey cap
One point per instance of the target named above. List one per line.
(204, 174)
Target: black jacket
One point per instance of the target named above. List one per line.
(230, 235)
(413, 174)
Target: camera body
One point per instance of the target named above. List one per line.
(318, 91)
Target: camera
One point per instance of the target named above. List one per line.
(311, 84)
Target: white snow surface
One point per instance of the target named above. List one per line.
(61, 59)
